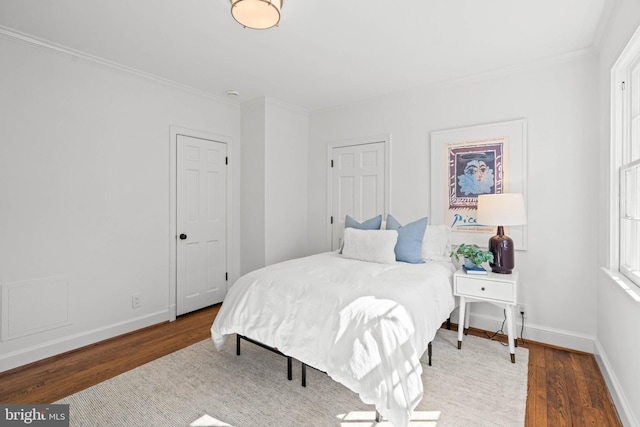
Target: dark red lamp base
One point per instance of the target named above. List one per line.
(501, 247)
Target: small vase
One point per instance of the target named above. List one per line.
(468, 263)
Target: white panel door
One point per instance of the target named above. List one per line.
(357, 185)
(201, 216)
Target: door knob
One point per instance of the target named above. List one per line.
(183, 236)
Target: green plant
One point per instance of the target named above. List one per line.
(473, 253)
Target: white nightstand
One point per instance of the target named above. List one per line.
(498, 289)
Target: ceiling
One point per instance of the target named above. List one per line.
(325, 52)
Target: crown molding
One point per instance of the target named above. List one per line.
(32, 41)
(607, 18)
(477, 77)
(285, 105)
(518, 68)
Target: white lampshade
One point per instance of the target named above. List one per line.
(256, 14)
(501, 209)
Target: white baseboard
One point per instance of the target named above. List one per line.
(619, 399)
(546, 335)
(54, 347)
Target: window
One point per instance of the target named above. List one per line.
(626, 159)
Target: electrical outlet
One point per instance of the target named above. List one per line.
(136, 300)
(522, 311)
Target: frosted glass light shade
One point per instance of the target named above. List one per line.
(501, 209)
(256, 14)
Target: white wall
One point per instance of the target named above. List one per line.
(84, 184)
(618, 315)
(252, 214)
(558, 99)
(287, 138)
(274, 200)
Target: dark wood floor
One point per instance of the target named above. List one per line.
(565, 388)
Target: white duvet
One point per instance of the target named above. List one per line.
(365, 324)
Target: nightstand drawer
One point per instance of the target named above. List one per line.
(485, 289)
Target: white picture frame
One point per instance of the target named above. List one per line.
(497, 151)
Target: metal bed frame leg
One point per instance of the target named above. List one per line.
(378, 415)
(304, 375)
(430, 352)
(289, 358)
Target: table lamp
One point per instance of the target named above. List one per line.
(502, 210)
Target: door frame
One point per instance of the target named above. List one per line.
(386, 139)
(173, 191)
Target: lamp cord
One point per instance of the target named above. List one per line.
(501, 330)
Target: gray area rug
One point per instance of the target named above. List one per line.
(200, 386)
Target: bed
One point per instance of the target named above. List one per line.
(366, 324)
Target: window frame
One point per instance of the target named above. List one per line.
(624, 89)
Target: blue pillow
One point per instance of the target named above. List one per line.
(370, 224)
(409, 246)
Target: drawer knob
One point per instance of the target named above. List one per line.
(483, 288)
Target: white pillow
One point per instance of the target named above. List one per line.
(370, 245)
(436, 244)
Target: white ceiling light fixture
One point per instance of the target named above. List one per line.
(256, 14)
